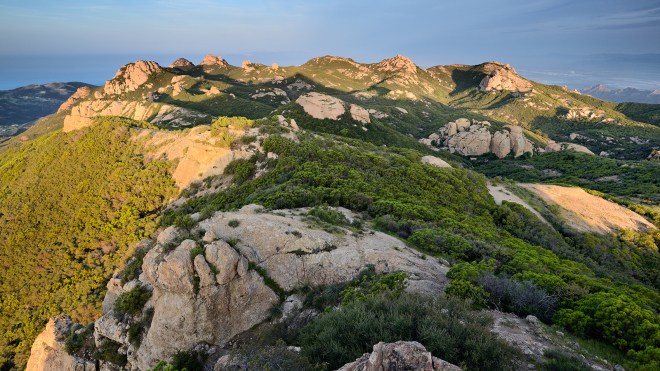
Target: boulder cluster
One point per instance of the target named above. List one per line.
(473, 138)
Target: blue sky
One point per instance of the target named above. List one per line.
(552, 40)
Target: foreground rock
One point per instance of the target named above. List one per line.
(48, 350)
(400, 356)
(205, 292)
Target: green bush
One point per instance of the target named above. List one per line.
(241, 169)
(328, 215)
(233, 223)
(447, 328)
(131, 302)
(466, 290)
(370, 284)
(560, 361)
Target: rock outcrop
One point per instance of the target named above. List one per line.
(207, 291)
(474, 138)
(131, 77)
(212, 61)
(80, 94)
(197, 154)
(504, 77)
(322, 106)
(48, 350)
(82, 114)
(182, 64)
(400, 356)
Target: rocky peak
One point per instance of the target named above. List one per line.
(503, 77)
(398, 63)
(214, 60)
(182, 64)
(131, 77)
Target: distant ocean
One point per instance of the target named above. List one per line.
(614, 71)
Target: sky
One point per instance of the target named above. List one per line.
(574, 43)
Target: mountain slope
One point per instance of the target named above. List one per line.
(28, 103)
(333, 154)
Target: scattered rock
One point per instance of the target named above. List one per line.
(321, 106)
(359, 114)
(434, 161)
(402, 355)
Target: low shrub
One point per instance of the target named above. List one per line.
(131, 302)
(447, 328)
(522, 298)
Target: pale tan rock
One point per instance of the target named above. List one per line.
(500, 145)
(196, 154)
(183, 64)
(131, 77)
(576, 148)
(462, 124)
(321, 106)
(225, 259)
(504, 78)
(402, 355)
(519, 143)
(83, 92)
(398, 63)
(434, 161)
(473, 142)
(359, 114)
(48, 351)
(213, 60)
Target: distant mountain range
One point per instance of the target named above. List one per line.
(28, 103)
(623, 95)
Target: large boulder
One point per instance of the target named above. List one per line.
(472, 142)
(131, 77)
(48, 350)
(321, 106)
(399, 356)
(360, 114)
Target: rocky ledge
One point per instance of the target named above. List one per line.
(200, 292)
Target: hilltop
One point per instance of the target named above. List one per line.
(26, 104)
(335, 214)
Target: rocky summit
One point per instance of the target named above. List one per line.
(333, 215)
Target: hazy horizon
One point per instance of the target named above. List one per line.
(577, 44)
